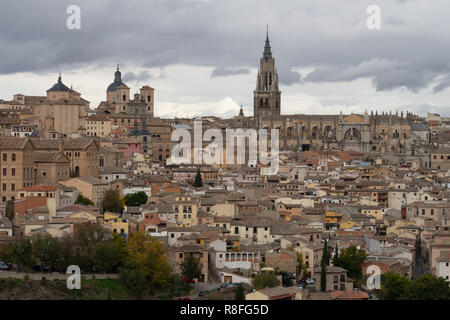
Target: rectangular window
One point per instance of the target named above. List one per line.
(13, 157)
(4, 172)
(13, 172)
(5, 157)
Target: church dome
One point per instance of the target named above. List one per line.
(59, 86)
(117, 80)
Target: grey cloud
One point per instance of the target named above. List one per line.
(141, 77)
(229, 35)
(227, 71)
(444, 84)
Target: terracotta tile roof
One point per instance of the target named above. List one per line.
(40, 188)
(349, 295)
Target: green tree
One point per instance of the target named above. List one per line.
(239, 294)
(20, 253)
(133, 279)
(351, 259)
(66, 249)
(85, 240)
(190, 267)
(429, 287)
(394, 287)
(112, 201)
(84, 201)
(136, 199)
(109, 255)
(325, 254)
(323, 277)
(45, 249)
(265, 280)
(198, 183)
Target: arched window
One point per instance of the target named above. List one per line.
(124, 97)
(266, 103)
(261, 103)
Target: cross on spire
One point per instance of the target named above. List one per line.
(267, 50)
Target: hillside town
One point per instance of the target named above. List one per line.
(375, 185)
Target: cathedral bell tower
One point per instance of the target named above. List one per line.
(267, 96)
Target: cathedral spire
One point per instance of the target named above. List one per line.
(267, 50)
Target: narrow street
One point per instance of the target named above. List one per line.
(420, 267)
(203, 286)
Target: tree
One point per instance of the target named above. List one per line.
(429, 287)
(147, 255)
(301, 266)
(84, 201)
(190, 267)
(87, 237)
(239, 294)
(109, 255)
(134, 281)
(112, 202)
(265, 280)
(325, 254)
(136, 199)
(351, 259)
(394, 287)
(20, 253)
(198, 183)
(323, 277)
(90, 234)
(45, 249)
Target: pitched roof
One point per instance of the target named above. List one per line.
(59, 86)
(13, 142)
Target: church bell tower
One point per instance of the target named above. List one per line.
(267, 96)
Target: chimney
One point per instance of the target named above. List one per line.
(60, 146)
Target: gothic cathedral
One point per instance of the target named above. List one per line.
(267, 96)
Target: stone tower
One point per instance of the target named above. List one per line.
(267, 96)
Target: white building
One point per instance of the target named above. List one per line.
(443, 267)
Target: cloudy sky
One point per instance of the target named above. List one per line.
(202, 56)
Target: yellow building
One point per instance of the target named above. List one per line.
(186, 211)
(349, 224)
(332, 217)
(98, 126)
(375, 211)
(117, 224)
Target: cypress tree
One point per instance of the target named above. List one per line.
(325, 255)
(323, 277)
(198, 183)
